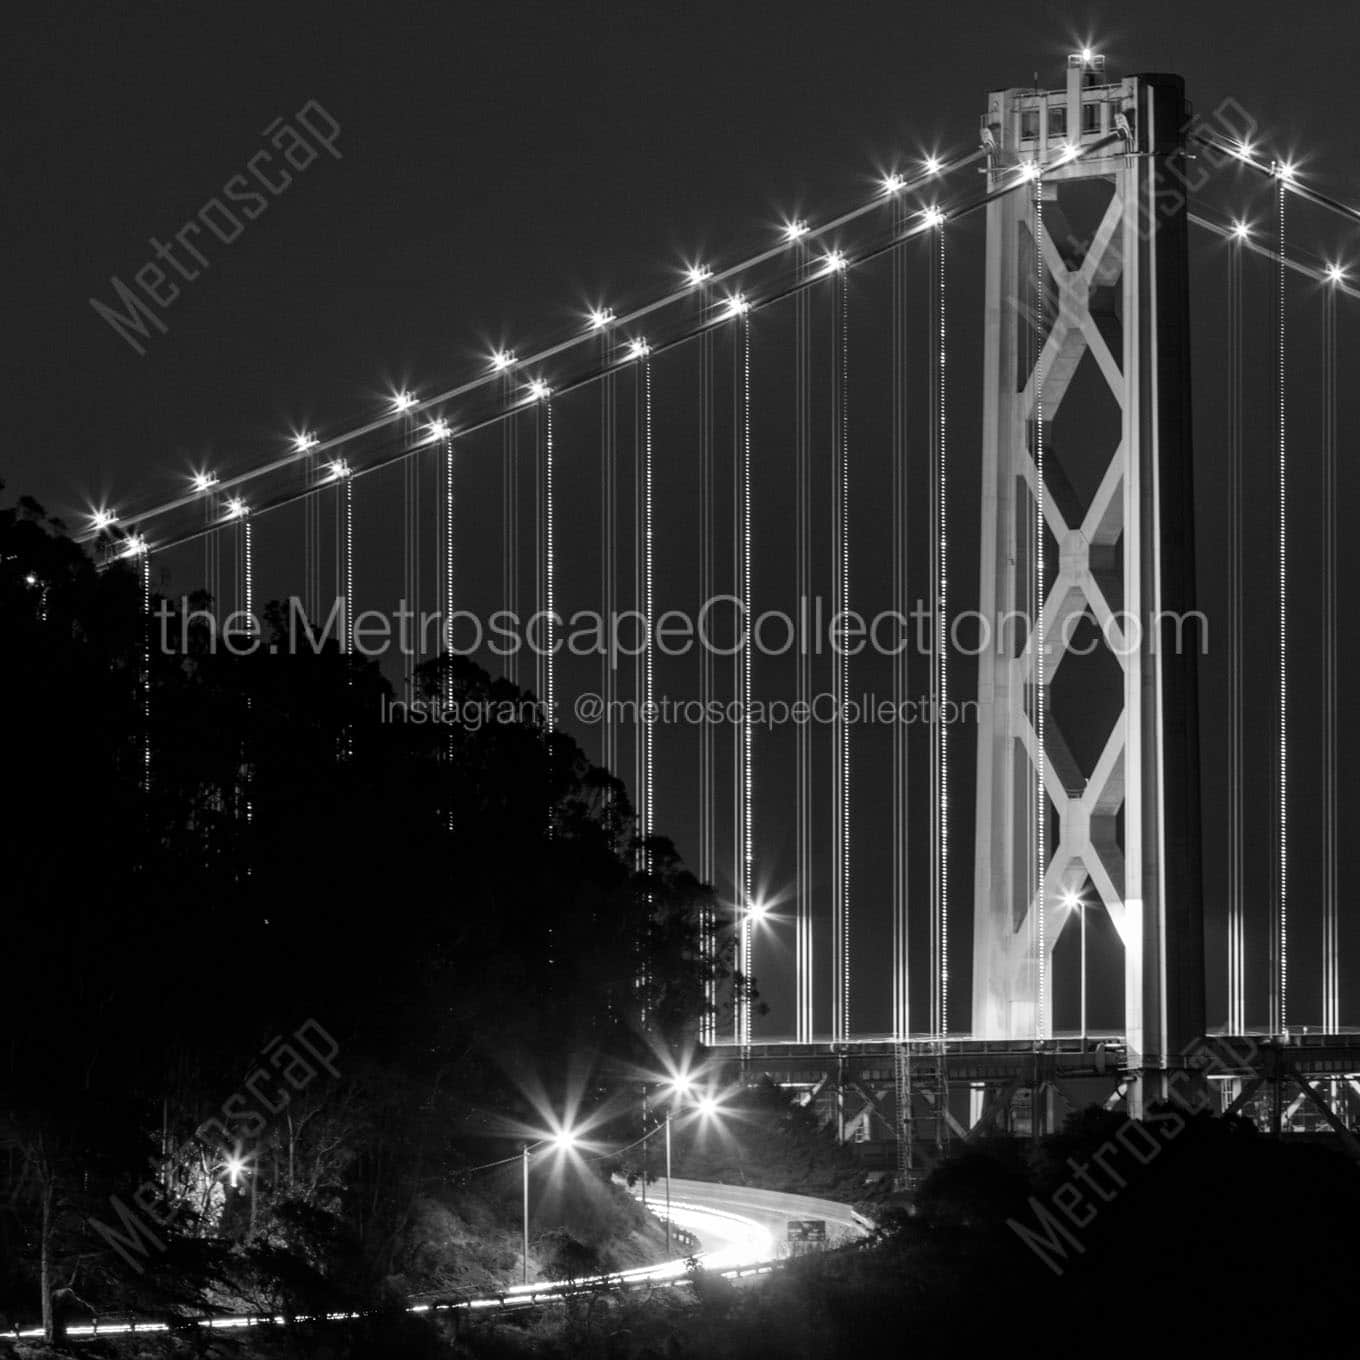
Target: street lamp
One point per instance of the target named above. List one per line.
(236, 1166)
(564, 1140)
(682, 1086)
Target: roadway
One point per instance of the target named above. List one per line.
(741, 1232)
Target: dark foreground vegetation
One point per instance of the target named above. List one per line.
(1223, 1242)
(280, 975)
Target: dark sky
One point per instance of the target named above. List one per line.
(501, 162)
(501, 166)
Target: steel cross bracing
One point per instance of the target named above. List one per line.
(1086, 808)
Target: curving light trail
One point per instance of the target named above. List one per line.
(736, 1245)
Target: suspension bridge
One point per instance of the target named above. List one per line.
(1031, 478)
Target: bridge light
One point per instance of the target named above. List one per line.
(539, 390)
(102, 519)
(338, 469)
(234, 1166)
(795, 231)
(1244, 151)
(1240, 231)
(893, 184)
(758, 909)
(402, 401)
(933, 217)
(834, 262)
(638, 349)
(304, 442)
(1030, 170)
(1071, 899)
(696, 274)
(1087, 56)
(438, 429)
(1335, 274)
(600, 317)
(933, 165)
(134, 546)
(737, 305)
(204, 481)
(1286, 170)
(501, 359)
(237, 508)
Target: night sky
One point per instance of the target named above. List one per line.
(501, 168)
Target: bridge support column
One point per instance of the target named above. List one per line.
(1087, 468)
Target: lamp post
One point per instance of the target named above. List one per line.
(524, 1237)
(563, 1140)
(668, 1183)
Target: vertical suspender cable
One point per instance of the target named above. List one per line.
(209, 549)
(942, 717)
(1236, 923)
(1331, 953)
(803, 939)
(510, 521)
(248, 536)
(247, 546)
(609, 555)
(707, 787)
(939, 660)
(215, 565)
(311, 547)
(144, 575)
(901, 980)
(345, 548)
(840, 935)
(540, 554)
(446, 604)
(550, 569)
(648, 732)
(639, 605)
(743, 863)
(411, 507)
(338, 541)
(744, 659)
(1280, 940)
(347, 494)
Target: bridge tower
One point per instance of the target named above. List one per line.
(1087, 394)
